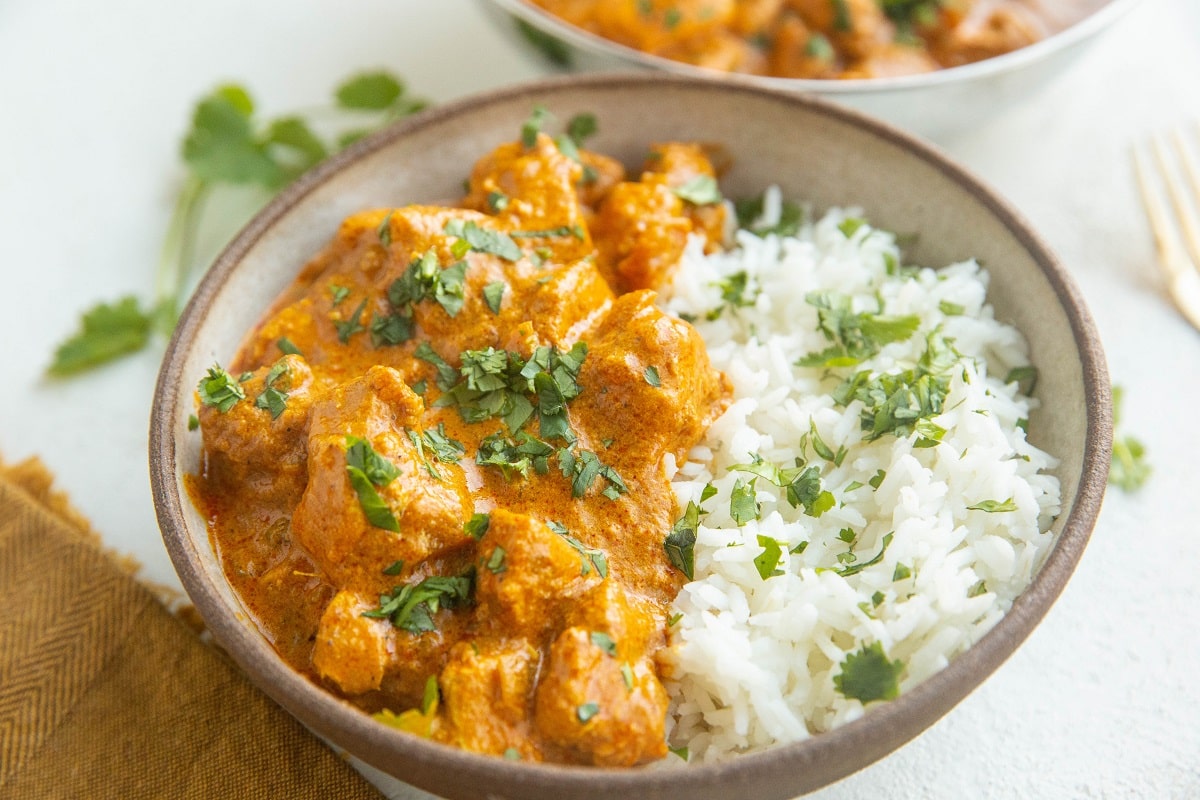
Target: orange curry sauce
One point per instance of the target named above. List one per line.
(538, 587)
(823, 38)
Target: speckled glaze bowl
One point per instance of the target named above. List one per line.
(828, 156)
(938, 105)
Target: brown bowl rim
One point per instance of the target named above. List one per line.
(780, 772)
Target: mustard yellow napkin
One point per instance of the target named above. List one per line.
(103, 693)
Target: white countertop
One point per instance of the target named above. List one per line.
(1103, 701)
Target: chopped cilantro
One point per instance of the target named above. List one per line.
(286, 347)
(877, 479)
(219, 390)
(994, 506)
(590, 558)
(627, 676)
(680, 543)
(411, 606)
(352, 325)
(699, 191)
(743, 506)
(493, 295)
(497, 201)
(767, 562)
(894, 402)
(395, 568)
(272, 398)
(682, 752)
(604, 642)
(512, 753)
(901, 572)
(869, 675)
(978, 588)
(581, 127)
(339, 293)
(193, 422)
(391, 330)
(477, 526)
(855, 336)
(484, 240)
(950, 309)
(1025, 377)
(651, 375)
(514, 455)
(533, 126)
(495, 563)
(586, 711)
(446, 374)
(367, 470)
(854, 569)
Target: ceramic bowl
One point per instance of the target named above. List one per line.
(938, 105)
(828, 156)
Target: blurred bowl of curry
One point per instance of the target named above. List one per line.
(933, 67)
(835, 157)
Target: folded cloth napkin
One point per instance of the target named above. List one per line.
(104, 693)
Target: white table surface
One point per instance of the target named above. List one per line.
(1103, 701)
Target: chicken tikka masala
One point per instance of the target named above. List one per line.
(434, 471)
(842, 39)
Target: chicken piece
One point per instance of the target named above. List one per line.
(684, 165)
(351, 650)
(634, 337)
(486, 689)
(801, 53)
(563, 302)
(640, 232)
(890, 61)
(753, 17)
(855, 27)
(987, 30)
(598, 695)
(539, 187)
(429, 508)
(523, 592)
(257, 448)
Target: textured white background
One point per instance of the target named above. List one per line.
(1102, 701)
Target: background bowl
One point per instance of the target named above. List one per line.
(829, 156)
(936, 104)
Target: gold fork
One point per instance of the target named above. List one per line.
(1176, 232)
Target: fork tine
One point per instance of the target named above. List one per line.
(1170, 248)
(1182, 272)
(1190, 225)
(1185, 213)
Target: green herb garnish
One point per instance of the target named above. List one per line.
(869, 675)
(680, 543)
(219, 390)
(586, 711)
(767, 562)
(701, 190)
(411, 606)
(368, 470)
(226, 145)
(994, 506)
(604, 642)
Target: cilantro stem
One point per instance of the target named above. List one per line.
(177, 253)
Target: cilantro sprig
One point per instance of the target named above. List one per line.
(1129, 469)
(228, 144)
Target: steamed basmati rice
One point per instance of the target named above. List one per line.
(755, 658)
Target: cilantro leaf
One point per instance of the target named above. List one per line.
(856, 336)
(477, 526)
(218, 389)
(369, 91)
(590, 557)
(221, 145)
(699, 191)
(287, 347)
(743, 506)
(351, 325)
(411, 606)
(994, 506)
(604, 642)
(581, 127)
(533, 126)
(107, 332)
(858, 567)
(367, 470)
(652, 378)
(680, 543)
(767, 562)
(484, 240)
(869, 675)
(586, 711)
(493, 295)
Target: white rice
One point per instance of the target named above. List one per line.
(754, 658)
